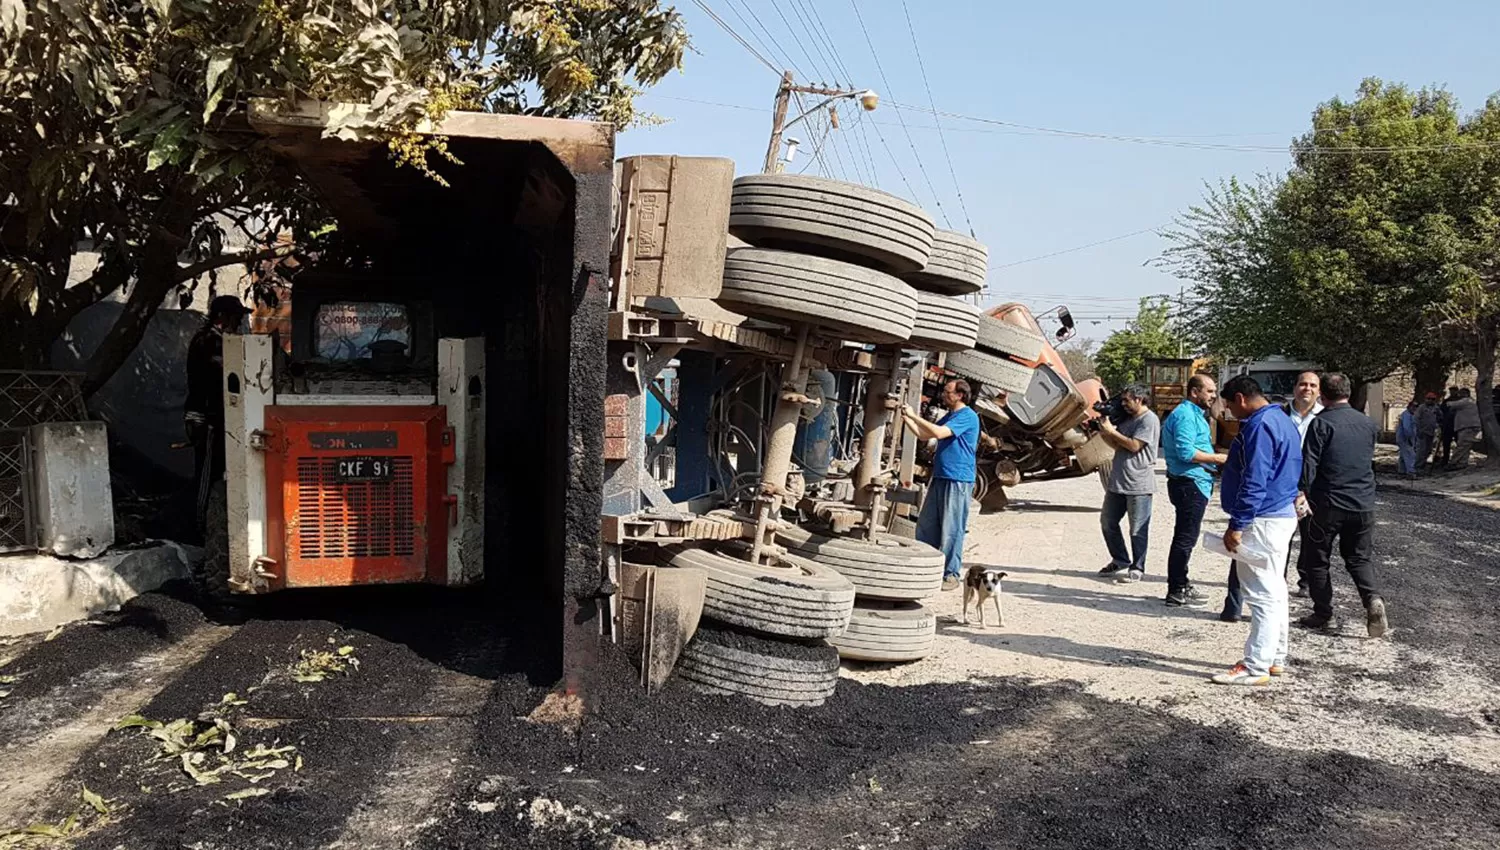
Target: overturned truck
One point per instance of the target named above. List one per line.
(465, 399)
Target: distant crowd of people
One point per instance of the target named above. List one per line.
(1438, 434)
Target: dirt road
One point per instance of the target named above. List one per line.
(1086, 722)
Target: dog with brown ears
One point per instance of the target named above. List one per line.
(982, 584)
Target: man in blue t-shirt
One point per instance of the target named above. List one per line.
(1188, 449)
(945, 512)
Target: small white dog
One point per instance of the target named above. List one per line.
(982, 584)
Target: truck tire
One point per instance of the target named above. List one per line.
(211, 574)
(1007, 340)
(903, 527)
(958, 265)
(803, 600)
(888, 631)
(891, 568)
(832, 219)
(943, 324)
(723, 661)
(996, 373)
(861, 304)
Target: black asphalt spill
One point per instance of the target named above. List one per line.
(985, 764)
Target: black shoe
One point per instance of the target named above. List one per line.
(1301, 591)
(1322, 622)
(1112, 568)
(1227, 616)
(1186, 597)
(1375, 618)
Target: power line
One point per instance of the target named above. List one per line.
(942, 137)
(1177, 142)
(820, 30)
(796, 39)
(817, 45)
(771, 47)
(1078, 248)
(743, 43)
(887, 83)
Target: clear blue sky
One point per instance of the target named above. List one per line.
(1193, 73)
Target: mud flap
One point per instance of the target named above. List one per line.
(659, 614)
(1093, 454)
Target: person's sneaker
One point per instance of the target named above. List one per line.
(1131, 577)
(1278, 670)
(1111, 569)
(1375, 618)
(1301, 591)
(1186, 597)
(1322, 622)
(951, 583)
(1240, 675)
(1228, 616)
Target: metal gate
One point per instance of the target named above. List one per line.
(28, 398)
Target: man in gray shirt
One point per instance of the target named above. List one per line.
(1132, 483)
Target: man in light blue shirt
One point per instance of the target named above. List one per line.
(1188, 449)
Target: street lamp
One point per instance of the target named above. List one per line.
(868, 100)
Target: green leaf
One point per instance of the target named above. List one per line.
(12, 18)
(95, 800)
(219, 62)
(135, 721)
(248, 793)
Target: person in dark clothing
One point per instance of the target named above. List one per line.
(1338, 484)
(1445, 424)
(203, 410)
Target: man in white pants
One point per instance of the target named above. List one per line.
(1260, 495)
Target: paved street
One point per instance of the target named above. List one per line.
(1086, 722)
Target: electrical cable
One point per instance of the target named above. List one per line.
(942, 137)
(727, 28)
(885, 81)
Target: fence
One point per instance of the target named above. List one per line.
(28, 398)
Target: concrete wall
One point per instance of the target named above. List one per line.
(74, 503)
(40, 592)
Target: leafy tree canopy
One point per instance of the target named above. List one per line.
(1121, 360)
(1376, 250)
(123, 124)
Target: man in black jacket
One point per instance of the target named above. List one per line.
(1338, 482)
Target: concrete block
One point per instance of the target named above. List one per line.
(74, 505)
(41, 592)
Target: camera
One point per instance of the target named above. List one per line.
(1112, 409)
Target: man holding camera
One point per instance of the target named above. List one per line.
(1189, 451)
(1134, 431)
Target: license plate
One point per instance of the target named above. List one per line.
(364, 469)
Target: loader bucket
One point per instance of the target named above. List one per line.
(660, 609)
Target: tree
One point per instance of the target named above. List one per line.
(123, 125)
(1121, 360)
(1326, 263)
(1376, 251)
(1079, 359)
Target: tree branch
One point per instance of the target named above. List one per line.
(187, 273)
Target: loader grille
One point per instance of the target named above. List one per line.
(354, 519)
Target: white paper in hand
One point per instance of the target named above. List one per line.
(1250, 555)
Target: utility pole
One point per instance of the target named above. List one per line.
(867, 98)
(783, 96)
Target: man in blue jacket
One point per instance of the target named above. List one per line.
(1188, 448)
(1260, 495)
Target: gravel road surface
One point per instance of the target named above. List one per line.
(395, 719)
